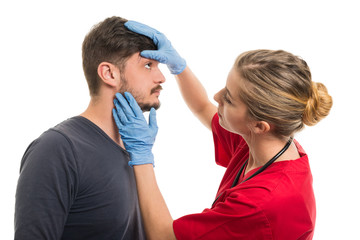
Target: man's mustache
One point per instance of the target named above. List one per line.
(159, 87)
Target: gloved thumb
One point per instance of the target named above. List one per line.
(152, 120)
(156, 55)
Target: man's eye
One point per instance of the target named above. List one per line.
(148, 66)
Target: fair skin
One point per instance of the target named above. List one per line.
(263, 145)
(143, 79)
(233, 116)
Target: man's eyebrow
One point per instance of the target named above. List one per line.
(140, 58)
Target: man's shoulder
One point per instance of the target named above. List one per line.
(52, 146)
(59, 133)
(68, 126)
(68, 131)
(49, 142)
(76, 138)
(56, 137)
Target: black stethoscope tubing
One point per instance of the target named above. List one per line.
(266, 165)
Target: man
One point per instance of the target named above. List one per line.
(75, 182)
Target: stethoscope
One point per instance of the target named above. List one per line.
(235, 182)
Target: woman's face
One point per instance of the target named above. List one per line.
(232, 111)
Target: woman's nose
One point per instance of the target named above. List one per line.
(217, 97)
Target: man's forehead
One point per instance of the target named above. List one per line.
(136, 57)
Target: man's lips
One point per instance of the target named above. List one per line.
(156, 89)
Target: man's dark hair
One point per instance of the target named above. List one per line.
(110, 41)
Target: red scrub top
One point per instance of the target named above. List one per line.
(278, 203)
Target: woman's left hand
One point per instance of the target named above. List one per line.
(138, 136)
(165, 53)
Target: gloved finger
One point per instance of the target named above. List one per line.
(154, 54)
(152, 120)
(117, 119)
(124, 104)
(142, 29)
(133, 104)
(123, 118)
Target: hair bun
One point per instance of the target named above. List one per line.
(318, 105)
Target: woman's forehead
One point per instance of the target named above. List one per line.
(234, 82)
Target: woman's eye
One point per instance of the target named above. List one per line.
(148, 66)
(226, 99)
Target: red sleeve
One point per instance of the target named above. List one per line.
(226, 143)
(236, 218)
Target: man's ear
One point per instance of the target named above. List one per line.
(108, 73)
(261, 127)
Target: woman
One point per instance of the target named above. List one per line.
(266, 192)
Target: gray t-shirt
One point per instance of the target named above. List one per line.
(75, 183)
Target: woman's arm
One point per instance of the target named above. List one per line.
(156, 216)
(138, 137)
(196, 97)
(191, 89)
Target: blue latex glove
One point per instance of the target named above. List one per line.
(165, 54)
(138, 136)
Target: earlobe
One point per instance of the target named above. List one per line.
(261, 127)
(108, 73)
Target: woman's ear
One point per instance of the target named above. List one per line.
(108, 73)
(261, 127)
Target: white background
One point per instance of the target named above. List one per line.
(42, 84)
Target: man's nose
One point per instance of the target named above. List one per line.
(159, 77)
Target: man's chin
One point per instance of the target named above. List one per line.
(145, 107)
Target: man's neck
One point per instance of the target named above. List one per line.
(99, 112)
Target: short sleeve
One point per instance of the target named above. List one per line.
(46, 188)
(235, 218)
(225, 142)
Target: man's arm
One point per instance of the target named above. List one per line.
(45, 189)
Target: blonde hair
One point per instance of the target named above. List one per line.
(277, 88)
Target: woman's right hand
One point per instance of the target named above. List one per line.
(165, 54)
(137, 135)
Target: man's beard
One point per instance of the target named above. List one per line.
(138, 96)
